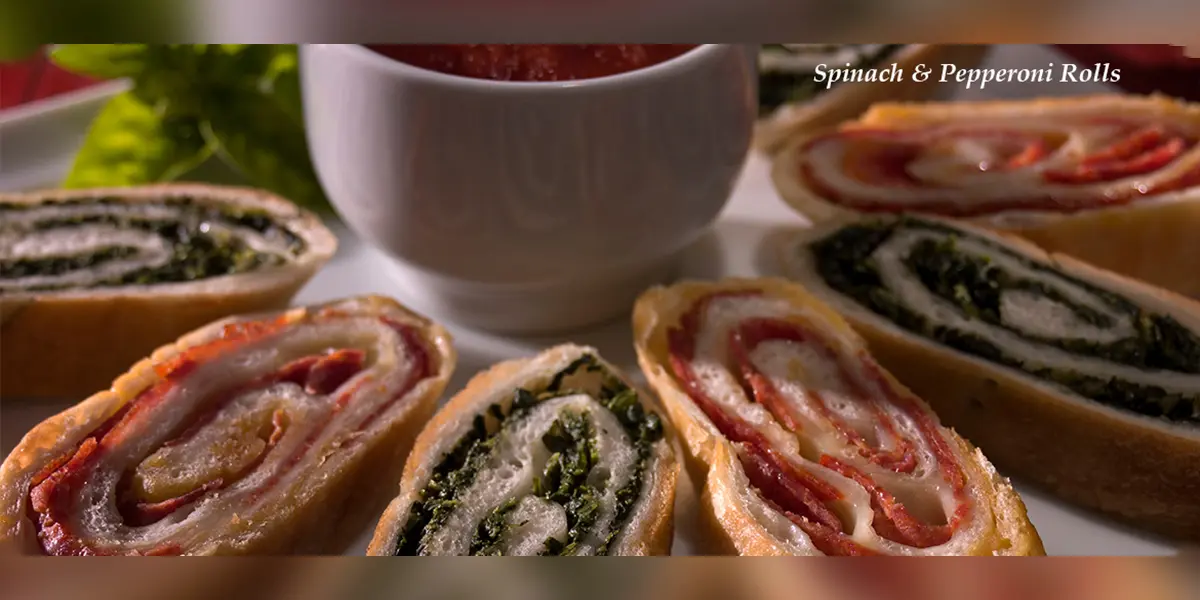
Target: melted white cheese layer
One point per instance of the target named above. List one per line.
(798, 371)
(957, 163)
(22, 239)
(519, 457)
(318, 429)
(1027, 313)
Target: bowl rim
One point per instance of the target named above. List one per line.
(654, 73)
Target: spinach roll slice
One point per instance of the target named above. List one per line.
(268, 434)
(555, 455)
(1065, 374)
(802, 443)
(1113, 180)
(91, 280)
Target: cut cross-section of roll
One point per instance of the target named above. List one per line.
(1113, 180)
(276, 434)
(91, 280)
(803, 444)
(552, 455)
(1065, 374)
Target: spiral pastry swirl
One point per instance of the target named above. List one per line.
(996, 159)
(810, 447)
(273, 434)
(101, 241)
(1021, 350)
(555, 455)
(121, 271)
(1111, 180)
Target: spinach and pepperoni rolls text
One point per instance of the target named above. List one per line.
(274, 434)
(555, 455)
(1113, 180)
(806, 87)
(1065, 374)
(803, 444)
(93, 280)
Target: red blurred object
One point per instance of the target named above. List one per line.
(532, 62)
(36, 78)
(1145, 68)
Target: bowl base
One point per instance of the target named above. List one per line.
(532, 309)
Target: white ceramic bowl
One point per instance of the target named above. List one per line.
(529, 207)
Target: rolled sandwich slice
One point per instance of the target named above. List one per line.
(92, 280)
(803, 444)
(1065, 374)
(552, 455)
(273, 434)
(1113, 180)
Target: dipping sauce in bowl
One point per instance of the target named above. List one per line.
(531, 63)
(529, 189)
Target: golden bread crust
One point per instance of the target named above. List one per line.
(1134, 468)
(729, 526)
(69, 344)
(326, 520)
(652, 535)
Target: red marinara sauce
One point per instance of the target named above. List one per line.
(527, 62)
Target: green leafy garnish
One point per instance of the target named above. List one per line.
(107, 61)
(132, 143)
(571, 440)
(489, 537)
(193, 105)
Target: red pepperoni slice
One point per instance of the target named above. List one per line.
(800, 495)
(882, 159)
(753, 332)
(53, 491)
(1145, 151)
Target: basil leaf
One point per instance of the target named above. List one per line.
(232, 65)
(132, 143)
(104, 61)
(256, 135)
(190, 101)
(175, 72)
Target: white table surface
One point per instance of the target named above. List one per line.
(731, 248)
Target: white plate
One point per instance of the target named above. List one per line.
(732, 248)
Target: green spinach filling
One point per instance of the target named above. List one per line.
(564, 479)
(62, 264)
(198, 250)
(974, 285)
(779, 86)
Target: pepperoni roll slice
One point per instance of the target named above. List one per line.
(803, 443)
(92, 280)
(554, 455)
(1067, 375)
(1113, 180)
(253, 435)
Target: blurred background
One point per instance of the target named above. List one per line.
(647, 579)
(1145, 67)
